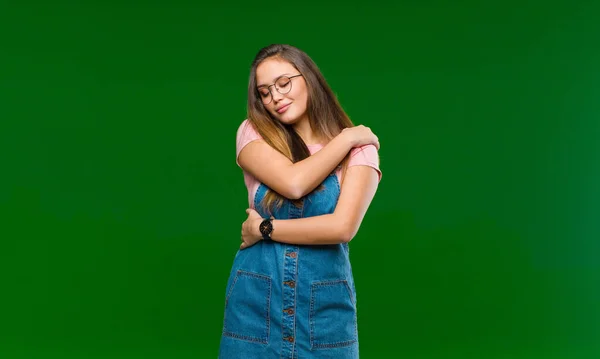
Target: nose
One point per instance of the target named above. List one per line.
(275, 94)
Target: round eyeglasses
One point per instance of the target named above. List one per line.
(283, 84)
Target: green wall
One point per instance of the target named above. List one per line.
(122, 204)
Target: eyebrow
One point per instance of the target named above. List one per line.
(285, 74)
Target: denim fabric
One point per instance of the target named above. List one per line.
(292, 301)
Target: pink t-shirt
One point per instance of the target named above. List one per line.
(365, 155)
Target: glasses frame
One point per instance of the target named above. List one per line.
(275, 84)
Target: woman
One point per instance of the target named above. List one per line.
(311, 176)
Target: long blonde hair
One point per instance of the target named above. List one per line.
(326, 116)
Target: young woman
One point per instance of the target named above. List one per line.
(311, 175)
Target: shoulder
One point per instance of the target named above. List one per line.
(366, 155)
(246, 128)
(366, 152)
(246, 133)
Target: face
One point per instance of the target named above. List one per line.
(288, 107)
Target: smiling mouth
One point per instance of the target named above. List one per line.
(284, 108)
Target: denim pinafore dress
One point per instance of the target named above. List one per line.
(292, 301)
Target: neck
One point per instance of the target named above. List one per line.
(302, 127)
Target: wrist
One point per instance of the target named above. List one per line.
(348, 140)
(256, 229)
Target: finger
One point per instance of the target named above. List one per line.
(248, 210)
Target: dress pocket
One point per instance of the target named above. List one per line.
(332, 315)
(247, 307)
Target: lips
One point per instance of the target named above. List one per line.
(283, 108)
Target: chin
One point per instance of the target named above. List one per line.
(287, 119)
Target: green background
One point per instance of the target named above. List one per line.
(122, 204)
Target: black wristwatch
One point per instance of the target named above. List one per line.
(266, 227)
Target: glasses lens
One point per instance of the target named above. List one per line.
(265, 95)
(284, 84)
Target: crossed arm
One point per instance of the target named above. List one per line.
(294, 180)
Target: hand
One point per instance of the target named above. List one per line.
(360, 136)
(250, 229)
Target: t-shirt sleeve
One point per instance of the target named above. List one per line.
(245, 134)
(365, 156)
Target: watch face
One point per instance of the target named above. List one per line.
(266, 227)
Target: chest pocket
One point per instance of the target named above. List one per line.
(320, 201)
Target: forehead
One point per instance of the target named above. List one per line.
(272, 68)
